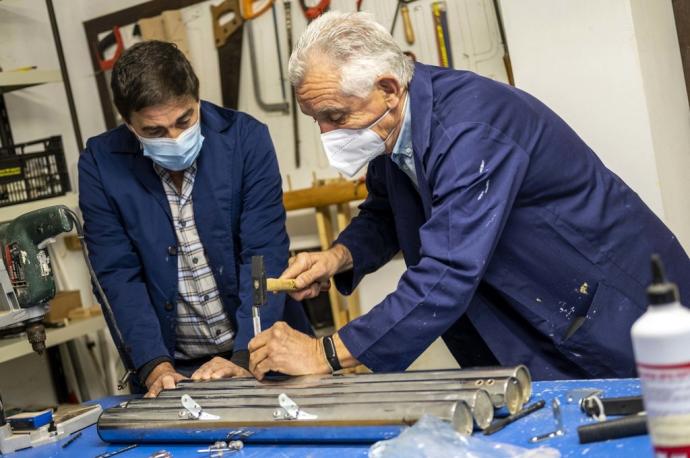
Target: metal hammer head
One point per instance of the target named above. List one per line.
(258, 281)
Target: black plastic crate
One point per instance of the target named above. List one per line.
(33, 171)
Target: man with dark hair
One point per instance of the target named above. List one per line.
(175, 203)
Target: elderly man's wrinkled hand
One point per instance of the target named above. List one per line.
(283, 349)
(312, 271)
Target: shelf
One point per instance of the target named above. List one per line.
(20, 79)
(20, 346)
(11, 212)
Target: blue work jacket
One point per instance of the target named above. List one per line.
(238, 210)
(516, 223)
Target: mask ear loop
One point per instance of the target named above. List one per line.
(401, 118)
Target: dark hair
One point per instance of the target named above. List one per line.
(151, 73)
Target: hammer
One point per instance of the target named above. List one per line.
(261, 286)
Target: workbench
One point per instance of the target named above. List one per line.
(89, 445)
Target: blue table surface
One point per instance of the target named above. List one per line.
(518, 433)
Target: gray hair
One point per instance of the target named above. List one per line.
(361, 47)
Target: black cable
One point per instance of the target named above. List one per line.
(2, 410)
(117, 335)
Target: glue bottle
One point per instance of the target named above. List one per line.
(661, 341)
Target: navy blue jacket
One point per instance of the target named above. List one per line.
(517, 224)
(238, 210)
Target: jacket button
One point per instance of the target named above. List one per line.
(172, 250)
(168, 306)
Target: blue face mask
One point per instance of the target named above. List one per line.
(174, 153)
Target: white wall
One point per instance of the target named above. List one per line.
(667, 108)
(612, 70)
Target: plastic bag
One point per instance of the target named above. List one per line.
(432, 437)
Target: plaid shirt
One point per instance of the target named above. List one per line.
(203, 327)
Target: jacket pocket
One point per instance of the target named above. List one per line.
(600, 341)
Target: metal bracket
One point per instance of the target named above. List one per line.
(289, 410)
(193, 411)
(558, 419)
(219, 447)
(594, 404)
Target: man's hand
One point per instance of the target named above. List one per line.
(282, 349)
(219, 367)
(312, 271)
(162, 377)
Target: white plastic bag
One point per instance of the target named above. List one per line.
(432, 437)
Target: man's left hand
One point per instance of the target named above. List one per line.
(282, 349)
(219, 368)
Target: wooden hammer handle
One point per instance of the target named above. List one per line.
(280, 284)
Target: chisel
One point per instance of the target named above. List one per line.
(503, 422)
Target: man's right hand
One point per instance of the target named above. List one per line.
(312, 272)
(162, 377)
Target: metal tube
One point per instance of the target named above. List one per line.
(256, 82)
(375, 422)
(521, 373)
(503, 392)
(478, 401)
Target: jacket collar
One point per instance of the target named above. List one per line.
(421, 107)
(421, 103)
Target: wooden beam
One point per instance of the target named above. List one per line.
(324, 225)
(336, 192)
(352, 301)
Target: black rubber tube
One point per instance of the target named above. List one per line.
(632, 425)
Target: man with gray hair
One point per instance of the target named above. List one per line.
(521, 246)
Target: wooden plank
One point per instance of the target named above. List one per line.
(352, 301)
(324, 226)
(326, 194)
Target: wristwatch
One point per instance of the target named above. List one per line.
(331, 355)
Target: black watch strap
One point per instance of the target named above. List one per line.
(331, 355)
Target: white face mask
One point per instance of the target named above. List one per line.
(348, 150)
